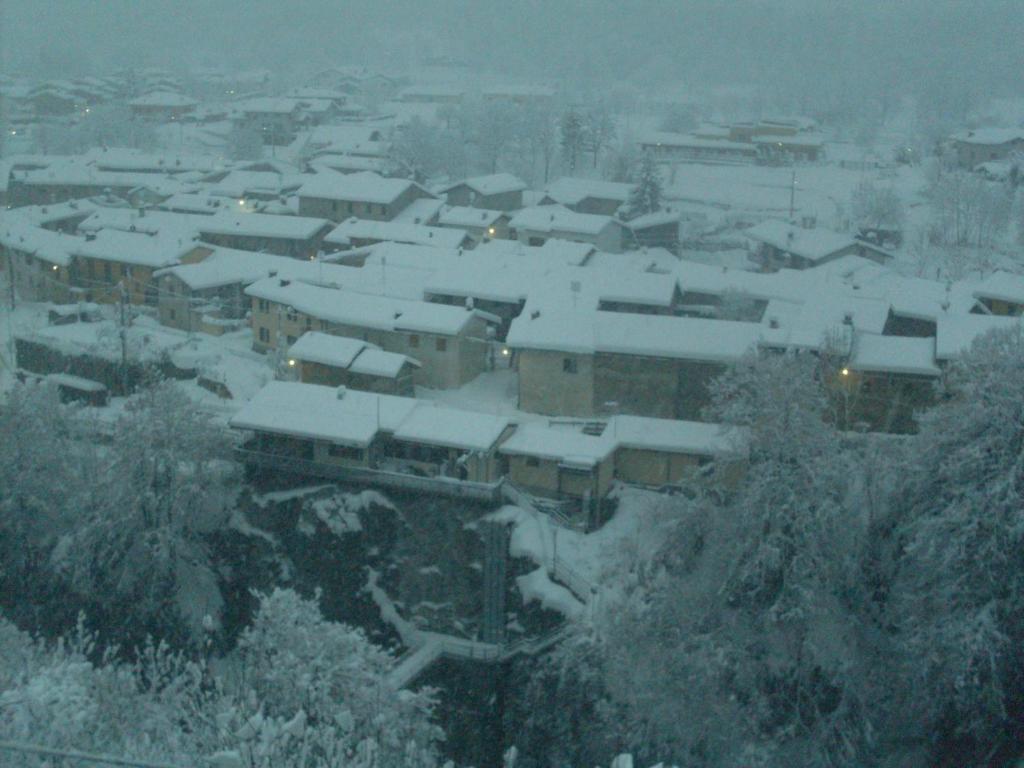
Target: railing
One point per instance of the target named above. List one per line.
(446, 486)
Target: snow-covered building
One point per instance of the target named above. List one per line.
(534, 226)
(336, 361)
(451, 343)
(593, 363)
(784, 245)
(357, 233)
(603, 198)
(337, 196)
(982, 145)
(297, 236)
(479, 223)
(162, 106)
(497, 191)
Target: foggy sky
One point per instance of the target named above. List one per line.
(780, 43)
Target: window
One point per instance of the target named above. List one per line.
(293, 316)
(309, 323)
(351, 207)
(107, 273)
(263, 305)
(414, 340)
(442, 345)
(532, 461)
(173, 314)
(569, 365)
(345, 452)
(323, 325)
(264, 335)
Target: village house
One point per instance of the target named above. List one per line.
(602, 198)
(299, 237)
(275, 119)
(659, 229)
(431, 94)
(39, 261)
(1001, 293)
(111, 261)
(162, 106)
(595, 363)
(982, 145)
(333, 361)
(316, 429)
(498, 192)
(783, 245)
(680, 147)
(358, 233)
(534, 226)
(479, 223)
(799, 147)
(73, 180)
(367, 195)
(208, 296)
(887, 381)
(451, 343)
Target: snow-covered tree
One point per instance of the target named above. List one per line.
(167, 481)
(877, 208)
(572, 138)
(299, 692)
(960, 587)
(599, 131)
(646, 196)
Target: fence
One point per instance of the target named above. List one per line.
(444, 486)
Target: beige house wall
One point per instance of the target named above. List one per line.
(546, 387)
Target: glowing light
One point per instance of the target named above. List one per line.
(490, 230)
(241, 202)
(505, 351)
(291, 363)
(845, 371)
(55, 267)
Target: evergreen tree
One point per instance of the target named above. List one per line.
(646, 196)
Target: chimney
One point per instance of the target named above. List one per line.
(285, 283)
(535, 314)
(340, 392)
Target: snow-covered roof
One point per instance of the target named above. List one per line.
(135, 248)
(874, 353)
(689, 141)
(377, 362)
(1002, 286)
(559, 441)
(555, 218)
(571, 191)
(367, 229)
(811, 244)
(348, 307)
(229, 266)
(269, 105)
(362, 187)
(452, 428)
(955, 333)
(337, 351)
(240, 183)
(163, 99)
(315, 412)
(687, 338)
(989, 136)
(24, 236)
(466, 217)
(263, 225)
(492, 184)
(675, 436)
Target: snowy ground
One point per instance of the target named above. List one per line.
(605, 561)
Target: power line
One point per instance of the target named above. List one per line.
(71, 754)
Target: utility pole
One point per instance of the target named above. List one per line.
(124, 340)
(792, 195)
